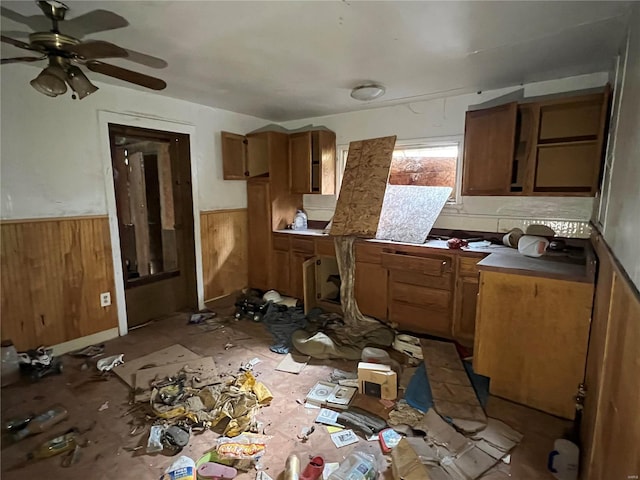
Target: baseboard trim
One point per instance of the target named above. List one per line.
(78, 343)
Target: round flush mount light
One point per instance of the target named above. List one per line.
(367, 92)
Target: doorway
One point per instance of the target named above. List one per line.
(154, 205)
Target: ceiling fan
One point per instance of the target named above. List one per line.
(65, 53)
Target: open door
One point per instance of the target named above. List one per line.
(152, 180)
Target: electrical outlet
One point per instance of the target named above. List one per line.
(105, 299)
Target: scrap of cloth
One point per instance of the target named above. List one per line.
(281, 322)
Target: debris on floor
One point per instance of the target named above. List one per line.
(33, 424)
(293, 363)
(92, 351)
(39, 363)
(109, 363)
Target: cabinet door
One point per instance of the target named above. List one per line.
(281, 270)
(259, 233)
(234, 156)
(489, 143)
(257, 154)
(296, 278)
(371, 289)
(323, 164)
(464, 322)
(300, 162)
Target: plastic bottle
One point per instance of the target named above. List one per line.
(375, 355)
(42, 422)
(182, 469)
(56, 446)
(10, 363)
(292, 468)
(357, 466)
(300, 221)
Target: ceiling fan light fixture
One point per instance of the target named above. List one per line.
(50, 81)
(79, 82)
(367, 92)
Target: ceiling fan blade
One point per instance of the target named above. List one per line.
(126, 75)
(17, 43)
(144, 59)
(93, 22)
(96, 49)
(37, 23)
(4, 61)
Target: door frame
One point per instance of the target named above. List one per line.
(106, 117)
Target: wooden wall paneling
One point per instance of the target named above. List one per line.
(363, 187)
(224, 251)
(52, 275)
(611, 424)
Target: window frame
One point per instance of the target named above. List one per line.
(427, 142)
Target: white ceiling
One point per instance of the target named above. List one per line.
(299, 59)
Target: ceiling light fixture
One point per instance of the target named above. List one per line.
(367, 92)
(51, 80)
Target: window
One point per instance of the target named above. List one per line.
(429, 163)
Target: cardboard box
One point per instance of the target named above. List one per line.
(377, 381)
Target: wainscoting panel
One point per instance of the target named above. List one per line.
(53, 272)
(224, 251)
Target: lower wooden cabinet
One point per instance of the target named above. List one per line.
(281, 271)
(466, 297)
(371, 289)
(531, 338)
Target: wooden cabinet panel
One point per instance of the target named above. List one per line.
(281, 271)
(312, 162)
(414, 318)
(281, 241)
(489, 143)
(431, 298)
(257, 154)
(436, 266)
(303, 245)
(368, 252)
(416, 278)
(464, 319)
(467, 266)
(234, 156)
(325, 246)
(259, 222)
(371, 289)
(296, 279)
(300, 162)
(531, 339)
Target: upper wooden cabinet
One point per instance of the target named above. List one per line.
(544, 146)
(244, 156)
(489, 138)
(312, 162)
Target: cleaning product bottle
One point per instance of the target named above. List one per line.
(300, 221)
(42, 422)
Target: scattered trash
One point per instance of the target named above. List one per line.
(314, 469)
(175, 438)
(216, 471)
(56, 446)
(248, 446)
(293, 363)
(326, 394)
(154, 443)
(389, 439)
(91, 351)
(377, 381)
(292, 467)
(251, 306)
(339, 375)
(305, 433)
(184, 468)
(408, 345)
(260, 475)
(28, 426)
(39, 363)
(198, 318)
(329, 468)
(344, 438)
(247, 367)
(328, 417)
(72, 457)
(228, 346)
(104, 406)
(108, 363)
(358, 464)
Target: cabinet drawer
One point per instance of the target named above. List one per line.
(435, 266)
(467, 266)
(415, 278)
(325, 246)
(427, 297)
(417, 319)
(281, 242)
(368, 253)
(303, 245)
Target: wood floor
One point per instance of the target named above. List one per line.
(108, 454)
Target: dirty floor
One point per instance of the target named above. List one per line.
(108, 455)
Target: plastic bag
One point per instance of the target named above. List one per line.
(154, 444)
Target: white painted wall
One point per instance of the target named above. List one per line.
(51, 153)
(445, 118)
(620, 216)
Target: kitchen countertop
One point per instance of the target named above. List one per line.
(500, 258)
